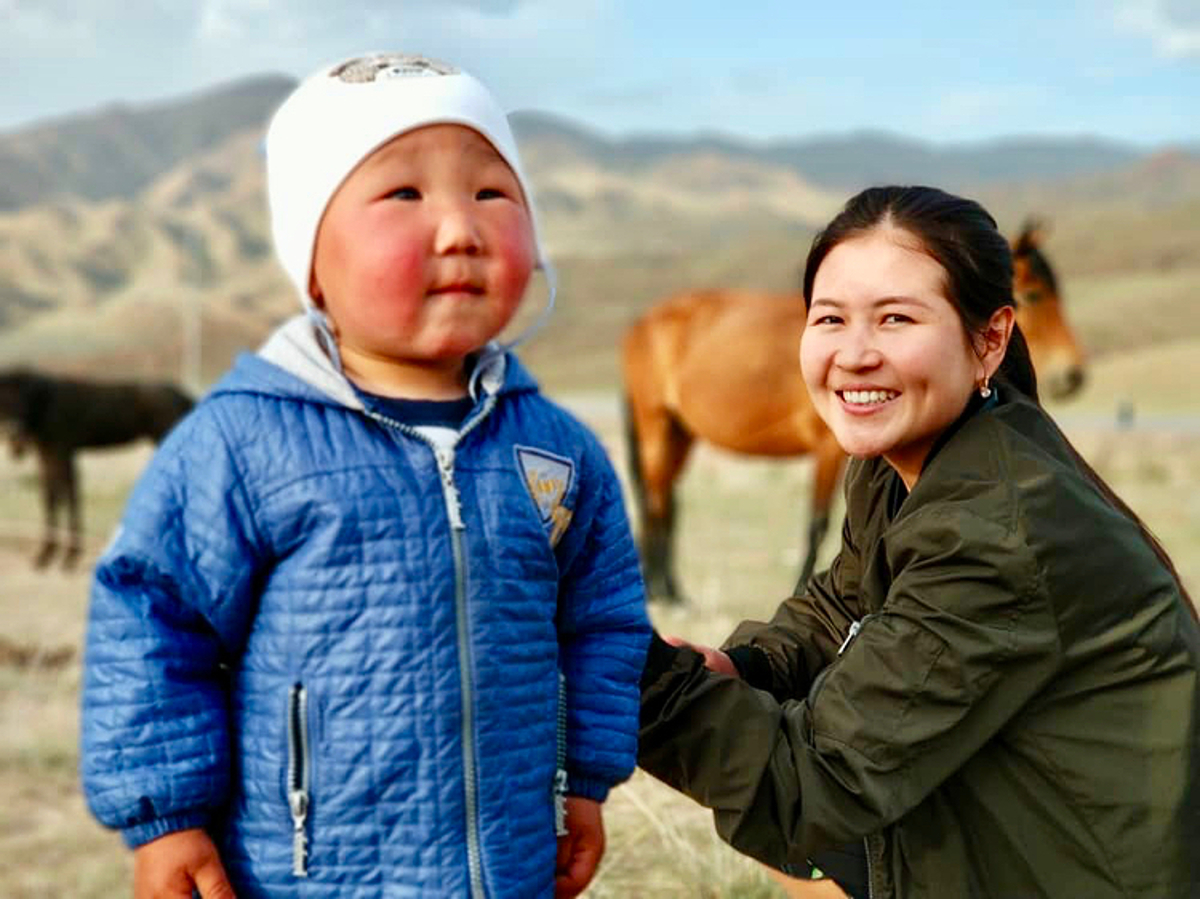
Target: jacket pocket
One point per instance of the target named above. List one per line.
(819, 681)
(298, 775)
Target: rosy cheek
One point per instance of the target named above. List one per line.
(515, 248)
(400, 268)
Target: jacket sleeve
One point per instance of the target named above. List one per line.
(805, 632)
(170, 604)
(603, 634)
(963, 641)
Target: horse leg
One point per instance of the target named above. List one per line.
(828, 456)
(50, 469)
(658, 449)
(657, 547)
(70, 488)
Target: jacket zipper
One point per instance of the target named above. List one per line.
(870, 870)
(297, 778)
(855, 627)
(445, 462)
(867, 840)
(560, 773)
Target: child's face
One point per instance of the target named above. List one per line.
(424, 252)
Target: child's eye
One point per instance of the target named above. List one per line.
(405, 193)
(490, 193)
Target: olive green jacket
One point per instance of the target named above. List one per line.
(996, 684)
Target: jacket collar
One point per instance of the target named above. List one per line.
(294, 361)
(305, 351)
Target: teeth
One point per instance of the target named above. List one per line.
(865, 397)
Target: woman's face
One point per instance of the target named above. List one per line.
(885, 355)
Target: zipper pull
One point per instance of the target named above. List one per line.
(298, 803)
(445, 461)
(855, 627)
(560, 803)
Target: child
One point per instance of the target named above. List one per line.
(375, 598)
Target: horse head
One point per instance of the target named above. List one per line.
(18, 396)
(1057, 356)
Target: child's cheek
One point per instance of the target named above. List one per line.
(516, 252)
(400, 274)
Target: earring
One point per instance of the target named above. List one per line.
(984, 390)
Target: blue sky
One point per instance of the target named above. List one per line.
(944, 72)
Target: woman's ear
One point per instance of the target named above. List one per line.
(992, 342)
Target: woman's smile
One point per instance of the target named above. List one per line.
(864, 401)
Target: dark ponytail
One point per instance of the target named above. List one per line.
(1016, 370)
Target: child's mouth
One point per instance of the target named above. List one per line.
(463, 288)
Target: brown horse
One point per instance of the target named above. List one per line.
(57, 416)
(722, 366)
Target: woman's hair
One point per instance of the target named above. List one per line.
(964, 239)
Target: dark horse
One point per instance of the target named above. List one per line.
(57, 416)
(723, 366)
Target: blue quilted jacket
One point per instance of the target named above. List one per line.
(340, 650)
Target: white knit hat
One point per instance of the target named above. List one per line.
(340, 114)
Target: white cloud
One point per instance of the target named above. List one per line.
(65, 56)
(73, 55)
(31, 26)
(1173, 26)
(223, 20)
(71, 30)
(507, 43)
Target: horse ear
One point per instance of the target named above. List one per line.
(1032, 234)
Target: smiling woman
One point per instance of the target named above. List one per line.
(995, 688)
(885, 357)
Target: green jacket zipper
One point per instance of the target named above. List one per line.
(855, 627)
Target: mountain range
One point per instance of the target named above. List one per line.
(120, 228)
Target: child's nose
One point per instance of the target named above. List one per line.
(457, 232)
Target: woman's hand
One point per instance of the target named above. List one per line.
(714, 659)
(171, 866)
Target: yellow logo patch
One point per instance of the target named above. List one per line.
(548, 478)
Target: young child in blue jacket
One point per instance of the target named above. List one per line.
(374, 606)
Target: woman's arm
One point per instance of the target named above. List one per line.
(784, 655)
(963, 642)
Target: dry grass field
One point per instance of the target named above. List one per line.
(740, 526)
